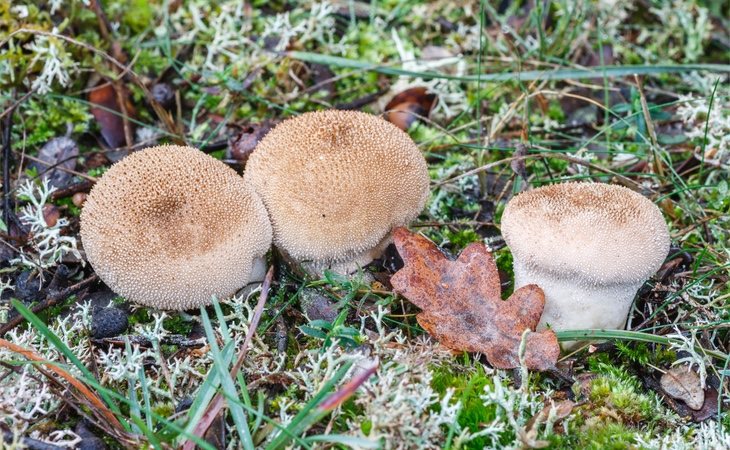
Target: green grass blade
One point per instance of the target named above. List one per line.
(529, 75)
(220, 364)
(310, 414)
(350, 441)
(226, 336)
(68, 354)
(206, 393)
(626, 335)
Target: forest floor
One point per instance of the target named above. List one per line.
(630, 93)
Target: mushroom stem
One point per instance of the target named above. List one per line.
(574, 301)
(258, 270)
(349, 266)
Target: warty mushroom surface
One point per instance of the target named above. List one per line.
(170, 227)
(335, 184)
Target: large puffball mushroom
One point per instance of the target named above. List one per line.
(170, 227)
(589, 246)
(335, 183)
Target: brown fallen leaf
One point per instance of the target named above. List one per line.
(462, 307)
(242, 145)
(109, 115)
(408, 106)
(684, 384)
(559, 410)
(709, 407)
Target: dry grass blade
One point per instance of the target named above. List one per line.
(92, 398)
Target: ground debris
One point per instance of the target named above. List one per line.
(462, 307)
(684, 384)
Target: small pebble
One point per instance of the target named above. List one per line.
(51, 214)
(89, 441)
(164, 94)
(317, 306)
(27, 287)
(184, 405)
(108, 322)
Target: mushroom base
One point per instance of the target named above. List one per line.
(348, 266)
(577, 304)
(258, 270)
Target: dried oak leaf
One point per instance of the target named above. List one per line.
(109, 116)
(462, 307)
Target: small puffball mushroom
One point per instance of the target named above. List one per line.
(170, 227)
(335, 183)
(589, 246)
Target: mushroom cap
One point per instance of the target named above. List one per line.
(170, 227)
(598, 233)
(335, 183)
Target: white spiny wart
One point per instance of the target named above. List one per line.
(335, 183)
(170, 227)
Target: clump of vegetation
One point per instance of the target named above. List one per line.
(500, 98)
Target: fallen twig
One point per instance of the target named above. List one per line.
(68, 191)
(6, 167)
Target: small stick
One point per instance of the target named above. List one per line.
(68, 191)
(61, 168)
(8, 123)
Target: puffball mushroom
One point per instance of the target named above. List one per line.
(335, 183)
(589, 246)
(170, 227)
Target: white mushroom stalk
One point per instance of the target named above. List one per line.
(589, 246)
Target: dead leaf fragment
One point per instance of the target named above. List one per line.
(55, 158)
(462, 307)
(408, 106)
(684, 384)
(241, 146)
(109, 115)
(554, 412)
(51, 214)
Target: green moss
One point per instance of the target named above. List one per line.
(164, 409)
(178, 324)
(602, 435)
(467, 385)
(614, 411)
(504, 260)
(47, 117)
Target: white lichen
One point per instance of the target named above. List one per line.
(58, 64)
(711, 124)
(47, 245)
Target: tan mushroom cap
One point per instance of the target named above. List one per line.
(335, 183)
(170, 227)
(603, 234)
